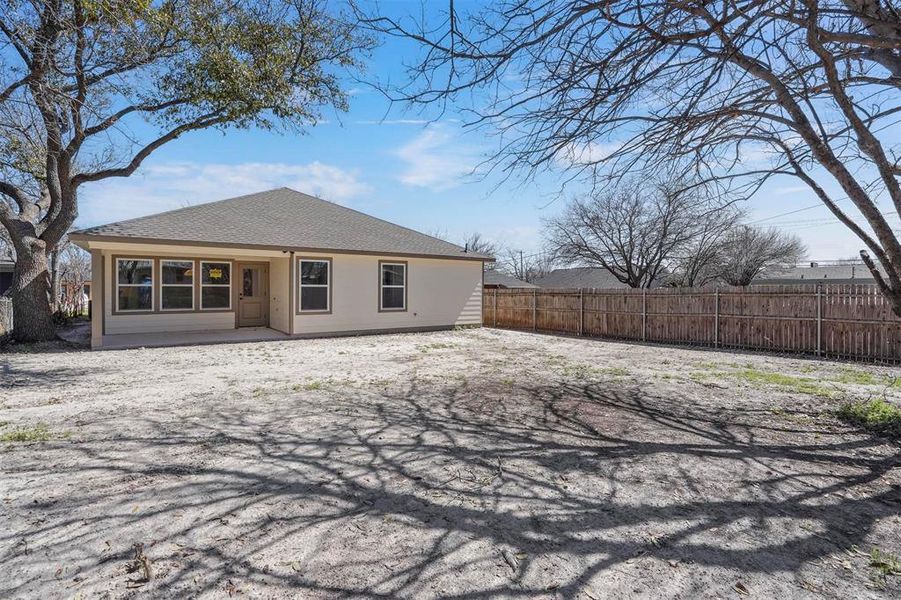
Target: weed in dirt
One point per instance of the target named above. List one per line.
(789, 383)
(310, 386)
(38, 433)
(857, 377)
(876, 415)
(583, 371)
(883, 565)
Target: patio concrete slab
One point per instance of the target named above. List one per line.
(191, 338)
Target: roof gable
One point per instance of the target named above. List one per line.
(281, 218)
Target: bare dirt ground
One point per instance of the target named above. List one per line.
(467, 464)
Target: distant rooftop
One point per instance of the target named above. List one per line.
(580, 277)
(497, 279)
(820, 271)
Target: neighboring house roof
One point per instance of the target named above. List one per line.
(282, 218)
(580, 277)
(816, 273)
(496, 279)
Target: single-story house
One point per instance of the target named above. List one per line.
(6, 275)
(280, 260)
(825, 272)
(497, 280)
(580, 277)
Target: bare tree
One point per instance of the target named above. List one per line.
(700, 261)
(74, 273)
(748, 251)
(635, 231)
(526, 266)
(476, 242)
(89, 90)
(739, 90)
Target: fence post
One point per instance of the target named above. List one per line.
(495, 308)
(819, 320)
(535, 309)
(644, 314)
(716, 319)
(581, 311)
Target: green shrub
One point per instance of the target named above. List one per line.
(38, 433)
(875, 415)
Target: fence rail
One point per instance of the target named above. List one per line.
(841, 321)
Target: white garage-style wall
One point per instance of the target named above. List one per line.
(440, 293)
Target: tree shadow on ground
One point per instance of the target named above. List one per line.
(471, 491)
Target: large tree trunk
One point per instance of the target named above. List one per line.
(32, 317)
(54, 281)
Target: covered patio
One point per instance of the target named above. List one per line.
(124, 341)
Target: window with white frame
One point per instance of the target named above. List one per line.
(215, 285)
(134, 284)
(393, 293)
(176, 284)
(314, 281)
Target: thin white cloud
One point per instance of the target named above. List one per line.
(162, 187)
(436, 159)
(392, 122)
(575, 155)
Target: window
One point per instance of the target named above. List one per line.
(215, 285)
(134, 284)
(176, 285)
(315, 278)
(393, 294)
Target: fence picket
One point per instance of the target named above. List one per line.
(844, 321)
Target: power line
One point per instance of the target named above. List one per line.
(792, 212)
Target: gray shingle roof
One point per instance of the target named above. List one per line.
(841, 273)
(580, 277)
(282, 218)
(493, 277)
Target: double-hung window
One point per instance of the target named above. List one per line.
(315, 278)
(134, 284)
(215, 285)
(393, 284)
(176, 285)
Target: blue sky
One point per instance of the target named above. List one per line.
(405, 167)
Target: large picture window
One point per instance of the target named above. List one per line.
(393, 292)
(134, 284)
(177, 285)
(215, 285)
(314, 280)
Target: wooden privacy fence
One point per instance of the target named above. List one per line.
(840, 321)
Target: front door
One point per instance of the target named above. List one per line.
(253, 295)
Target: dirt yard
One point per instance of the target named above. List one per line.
(469, 464)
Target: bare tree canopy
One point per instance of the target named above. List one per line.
(748, 251)
(700, 261)
(79, 78)
(526, 266)
(739, 91)
(476, 242)
(635, 231)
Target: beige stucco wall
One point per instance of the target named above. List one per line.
(441, 293)
(279, 300)
(155, 322)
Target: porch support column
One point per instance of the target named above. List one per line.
(98, 295)
(292, 289)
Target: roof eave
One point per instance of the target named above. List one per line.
(79, 237)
